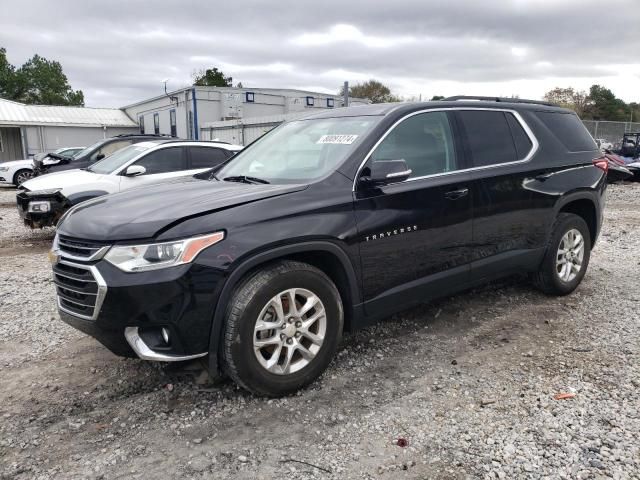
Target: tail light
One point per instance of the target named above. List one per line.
(602, 163)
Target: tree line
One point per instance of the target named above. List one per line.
(37, 81)
(600, 103)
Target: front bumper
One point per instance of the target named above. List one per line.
(126, 312)
(57, 206)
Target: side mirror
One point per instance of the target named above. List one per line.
(100, 156)
(134, 171)
(384, 172)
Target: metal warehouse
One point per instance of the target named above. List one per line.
(187, 113)
(29, 129)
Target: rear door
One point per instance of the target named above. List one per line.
(160, 165)
(415, 236)
(505, 226)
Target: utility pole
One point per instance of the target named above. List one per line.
(345, 94)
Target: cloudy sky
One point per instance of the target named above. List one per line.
(119, 52)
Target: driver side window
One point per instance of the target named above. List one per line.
(108, 149)
(424, 141)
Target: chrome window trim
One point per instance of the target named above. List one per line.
(102, 291)
(534, 142)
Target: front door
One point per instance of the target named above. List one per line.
(415, 236)
(160, 165)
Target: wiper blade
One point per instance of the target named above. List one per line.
(245, 179)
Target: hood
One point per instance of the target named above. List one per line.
(143, 212)
(68, 178)
(16, 163)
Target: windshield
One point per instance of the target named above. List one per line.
(300, 151)
(118, 159)
(88, 150)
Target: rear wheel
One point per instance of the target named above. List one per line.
(567, 257)
(22, 176)
(282, 328)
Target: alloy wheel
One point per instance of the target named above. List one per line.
(23, 177)
(570, 255)
(289, 331)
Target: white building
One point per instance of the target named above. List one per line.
(189, 112)
(29, 129)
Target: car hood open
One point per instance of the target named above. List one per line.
(143, 212)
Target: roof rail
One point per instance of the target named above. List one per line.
(498, 99)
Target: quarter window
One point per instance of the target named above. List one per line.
(520, 137)
(207, 157)
(164, 161)
(489, 137)
(424, 141)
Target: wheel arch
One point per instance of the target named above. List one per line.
(324, 255)
(585, 207)
(15, 175)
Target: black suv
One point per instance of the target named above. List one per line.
(330, 223)
(90, 155)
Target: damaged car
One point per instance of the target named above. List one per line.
(43, 200)
(328, 224)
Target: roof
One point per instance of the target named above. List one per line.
(14, 113)
(265, 91)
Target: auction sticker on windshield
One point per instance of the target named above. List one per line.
(338, 139)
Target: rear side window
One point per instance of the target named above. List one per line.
(489, 137)
(568, 128)
(207, 157)
(164, 161)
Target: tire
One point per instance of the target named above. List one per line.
(552, 279)
(22, 176)
(258, 369)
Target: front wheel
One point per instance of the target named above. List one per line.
(22, 176)
(567, 257)
(282, 329)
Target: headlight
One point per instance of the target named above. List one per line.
(4, 169)
(139, 258)
(39, 207)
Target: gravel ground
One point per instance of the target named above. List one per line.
(460, 388)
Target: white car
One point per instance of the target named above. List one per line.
(18, 171)
(43, 200)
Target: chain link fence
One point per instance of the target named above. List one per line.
(610, 131)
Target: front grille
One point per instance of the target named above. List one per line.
(80, 249)
(79, 292)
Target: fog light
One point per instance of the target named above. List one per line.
(165, 335)
(39, 207)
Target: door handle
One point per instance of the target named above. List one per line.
(456, 194)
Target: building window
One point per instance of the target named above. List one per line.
(330, 103)
(310, 101)
(172, 122)
(1, 145)
(141, 123)
(190, 125)
(156, 123)
(251, 97)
